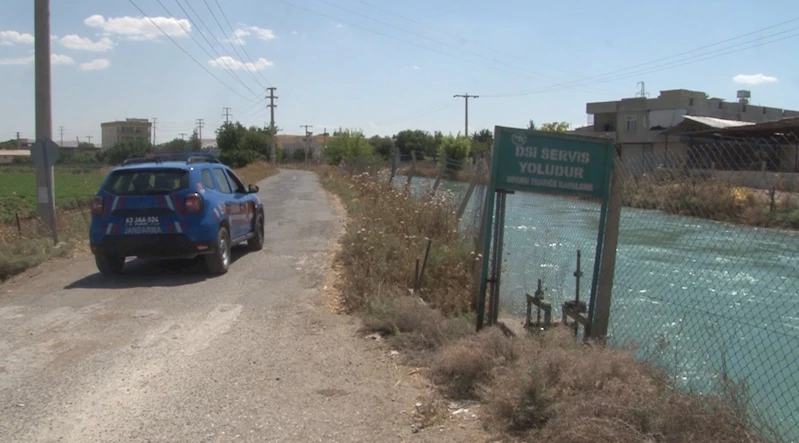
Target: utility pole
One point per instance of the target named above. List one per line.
(155, 122)
(17, 139)
(61, 132)
(183, 135)
(45, 194)
(308, 139)
(272, 129)
(466, 98)
(200, 130)
(226, 114)
(89, 137)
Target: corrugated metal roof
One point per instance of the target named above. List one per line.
(718, 123)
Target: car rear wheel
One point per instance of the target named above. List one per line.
(256, 243)
(109, 264)
(219, 261)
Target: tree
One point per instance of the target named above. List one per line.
(415, 140)
(174, 145)
(194, 143)
(555, 127)
(481, 143)
(456, 148)
(240, 146)
(125, 149)
(382, 146)
(347, 143)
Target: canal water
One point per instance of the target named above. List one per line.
(695, 297)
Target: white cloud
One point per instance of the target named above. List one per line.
(294, 32)
(260, 33)
(340, 25)
(55, 59)
(263, 33)
(16, 61)
(9, 38)
(137, 28)
(753, 79)
(226, 62)
(95, 65)
(79, 43)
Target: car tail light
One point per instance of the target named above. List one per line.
(97, 206)
(193, 203)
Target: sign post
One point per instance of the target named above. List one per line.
(541, 162)
(44, 154)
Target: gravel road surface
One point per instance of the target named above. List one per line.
(164, 353)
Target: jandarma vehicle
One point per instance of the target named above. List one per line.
(168, 209)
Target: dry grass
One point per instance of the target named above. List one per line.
(29, 244)
(555, 390)
(387, 231)
(256, 172)
(544, 387)
(713, 200)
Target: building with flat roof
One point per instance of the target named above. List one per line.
(7, 156)
(637, 124)
(129, 129)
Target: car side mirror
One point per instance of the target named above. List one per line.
(253, 189)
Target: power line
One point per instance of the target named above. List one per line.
(471, 61)
(187, 53)
(619, 73)
(466, 98)
(242, 47)
(457, 48)
(272, 128)
(229, 71)
(232, 45)
(459, 37)
(200, 122)
(425, 112)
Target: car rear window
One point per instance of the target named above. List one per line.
(147, 181)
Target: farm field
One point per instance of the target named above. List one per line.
(18, 191)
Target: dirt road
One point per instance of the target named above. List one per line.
(166, 354)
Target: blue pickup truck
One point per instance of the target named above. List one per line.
(167, 209)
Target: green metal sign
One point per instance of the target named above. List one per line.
(550, 162)
(542, 162)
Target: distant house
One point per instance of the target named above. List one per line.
(7, 156)
(129, 129)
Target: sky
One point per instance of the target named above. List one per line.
(383, 66)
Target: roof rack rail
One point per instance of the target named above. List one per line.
(140, 160)
(201, 159)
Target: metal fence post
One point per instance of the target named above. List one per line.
(601, 315)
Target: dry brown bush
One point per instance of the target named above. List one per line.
(461, 367)
(561, 392)
(387, 231)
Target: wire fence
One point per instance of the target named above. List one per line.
(706, 281)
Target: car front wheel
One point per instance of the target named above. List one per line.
(218, 262)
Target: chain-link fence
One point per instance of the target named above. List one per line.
(706, 281)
